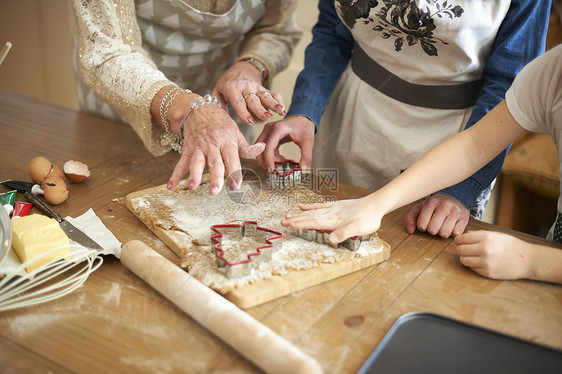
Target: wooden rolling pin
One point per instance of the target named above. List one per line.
(255, 341)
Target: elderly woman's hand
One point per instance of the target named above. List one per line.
(210, 137)
(241, 86)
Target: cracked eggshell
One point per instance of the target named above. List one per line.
(76, 171)
(55, 190)
(56, 172)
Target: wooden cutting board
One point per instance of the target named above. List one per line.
(264, 290)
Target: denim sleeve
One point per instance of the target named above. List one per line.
(326, 57)
(520, 39)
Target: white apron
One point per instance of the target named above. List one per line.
(192, 48)
(371, 137)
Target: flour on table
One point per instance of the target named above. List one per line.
(187, 217)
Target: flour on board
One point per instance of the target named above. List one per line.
(187, 217)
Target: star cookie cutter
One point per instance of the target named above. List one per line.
(286, 175)
(323, 237)
(237, 232)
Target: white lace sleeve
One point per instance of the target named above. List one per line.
(114, 65)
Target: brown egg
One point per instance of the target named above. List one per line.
(55, 190)
(39, 168)
(76, 171)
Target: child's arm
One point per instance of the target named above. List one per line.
(502, 256)
(448, 163)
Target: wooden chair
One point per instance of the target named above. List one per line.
(529, 186)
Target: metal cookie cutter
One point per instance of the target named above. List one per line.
(322, 237)
(286, 175)
(251, 229)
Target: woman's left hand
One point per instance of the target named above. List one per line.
(241, 87)
(440, 215)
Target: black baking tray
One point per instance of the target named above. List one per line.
(421, 342)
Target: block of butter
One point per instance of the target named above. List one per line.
(35, 234)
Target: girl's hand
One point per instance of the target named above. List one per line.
(345, 218)
(494, 255)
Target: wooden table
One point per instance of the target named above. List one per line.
(117, 323)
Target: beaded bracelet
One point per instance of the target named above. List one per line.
(176, 141)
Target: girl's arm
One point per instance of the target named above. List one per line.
(446, 164)
(520, 39)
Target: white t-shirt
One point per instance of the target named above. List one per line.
(535, 101)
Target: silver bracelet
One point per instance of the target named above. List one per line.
(176, 141)
(162, 116)
(169, 137)
(170, 101)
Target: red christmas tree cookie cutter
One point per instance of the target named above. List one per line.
(271, 238)
(286, 174)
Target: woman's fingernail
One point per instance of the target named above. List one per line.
(170, 185)
(251, 120)
(214, 190)
(268, 115)
(233, 185)
(191, 184)
(283, 113)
